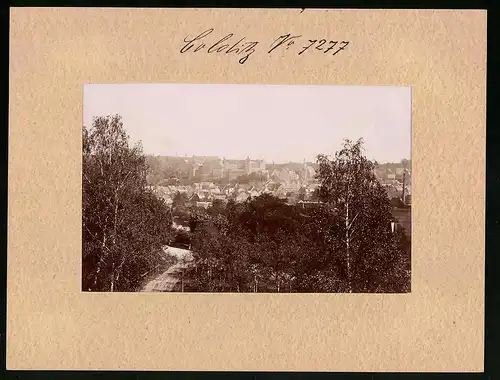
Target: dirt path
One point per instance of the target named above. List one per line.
(166, 281)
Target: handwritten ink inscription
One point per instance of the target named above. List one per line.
(241, 48)
(321, 45)
(244, 48)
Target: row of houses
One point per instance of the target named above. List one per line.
(203, 194)
(209, 192)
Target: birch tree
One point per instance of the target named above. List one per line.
(124, 223)
(361, 228)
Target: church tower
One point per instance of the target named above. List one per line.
(193, 168)
(222, 167)
(304, 170)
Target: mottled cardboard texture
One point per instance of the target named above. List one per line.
(51, 324)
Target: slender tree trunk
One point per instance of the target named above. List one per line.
(115, 221)
(99, 263)
(115, 231)
(347, 248)
(112, 286)
(119, 271)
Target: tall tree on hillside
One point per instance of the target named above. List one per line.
(362, 228)
(124, 223)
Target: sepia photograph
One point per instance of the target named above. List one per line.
(207, 188)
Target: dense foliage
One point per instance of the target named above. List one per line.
(344, 244)
(124, 223)
(375, 257)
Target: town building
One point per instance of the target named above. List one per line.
(209, 167)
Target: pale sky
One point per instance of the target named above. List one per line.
(277, 123)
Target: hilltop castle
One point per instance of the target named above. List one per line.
(215, 167)
(209, 168)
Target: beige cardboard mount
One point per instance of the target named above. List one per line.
(51, 324)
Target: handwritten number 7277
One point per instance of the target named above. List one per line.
(332, 45)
